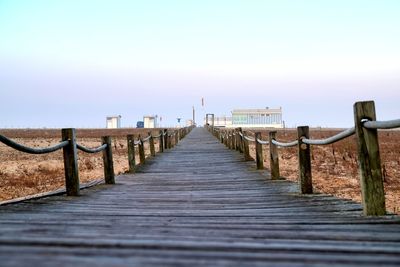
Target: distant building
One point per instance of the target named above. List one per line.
(113, 122)
(189, 123)
(150, 121)
(222, 121)
(251, 118)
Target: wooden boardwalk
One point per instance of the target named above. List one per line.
(198, 204)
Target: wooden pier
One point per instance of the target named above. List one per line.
(198, 204)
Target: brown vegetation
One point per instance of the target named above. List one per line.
(23, 174)
(335, 166)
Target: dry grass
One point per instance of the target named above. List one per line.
(335, 166)
(23, 174)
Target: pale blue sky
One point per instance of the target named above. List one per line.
(72, 63)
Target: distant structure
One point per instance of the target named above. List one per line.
(251, 118)
(113, 122)
(189, 123)
(139, 124)
(150, 121)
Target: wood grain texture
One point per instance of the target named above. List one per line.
(199, 204)
(371, 181)
(70, 155)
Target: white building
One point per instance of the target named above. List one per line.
(113, 122)
(251, 118)
(222, 121)
(150, 121)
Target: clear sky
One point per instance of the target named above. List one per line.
(72, 63)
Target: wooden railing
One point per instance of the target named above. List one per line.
(365, 129)
(168, 138)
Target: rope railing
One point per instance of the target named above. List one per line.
(146, 139)
(373, 197)
(332, 139)
(262, 142)
(390, 124)
(283, 144)
(248, 138)
(70, 155)
(32, 150)
(91, 150)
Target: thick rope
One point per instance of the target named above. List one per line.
(32, 150)
(91, 150)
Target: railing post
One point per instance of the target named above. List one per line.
(372, 190)
(229, 140)
(241, 143)
(230, 134)
(169, 141)
(142, 156)
(70, 162)
(246, 149)
(108, 161)
(151, 143)
(232, 143)
(131, 153)
(305, 178)
(259, 152)
(234, 139)
(273, 157)
(176, 137)
(161, 141)
(237, 140)
(166, 139)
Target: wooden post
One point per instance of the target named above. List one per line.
(70, 162)
(372, 190)
(176, 137)
(131, 153)
(259, 152)
(152, 148)
(108, 161)
(273, 157)
(142, 156)
(234, 139)
(169, 139)
(165, 138)
(305, 178)
(246, 149)
(241, 146)
(237, 140)
(231, 140)
(161, 141)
